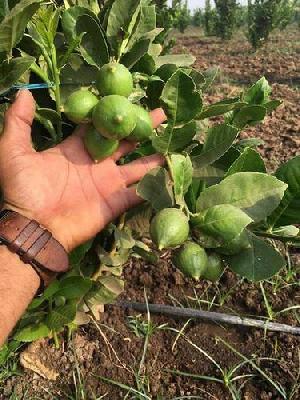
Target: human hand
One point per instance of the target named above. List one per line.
(62, 188)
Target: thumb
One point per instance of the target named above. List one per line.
(16, 136)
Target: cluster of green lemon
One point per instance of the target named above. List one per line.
(171, 228)
(113, 116)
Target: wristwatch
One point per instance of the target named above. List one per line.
(34, 244)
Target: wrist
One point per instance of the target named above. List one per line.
(52, 225)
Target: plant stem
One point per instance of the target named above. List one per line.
(56, 340)
(283, 239)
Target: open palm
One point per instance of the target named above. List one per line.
(62, 188)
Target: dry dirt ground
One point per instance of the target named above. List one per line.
(114, 349)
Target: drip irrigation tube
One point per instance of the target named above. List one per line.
(211, 316)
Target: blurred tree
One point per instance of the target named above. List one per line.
(266, 15)
(197, 18)
(210, 17)
(225, 21)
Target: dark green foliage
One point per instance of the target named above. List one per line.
(225, 22)
(210, 18)
(266, 15)
(182, 15)
(198, 17)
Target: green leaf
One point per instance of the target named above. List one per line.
(118, 22)
(61, 316)
(154, 90)
(288, 211)
(13, 25)
(11, 71)
(198, 78)
(258, 262)
(48, 294)
(76, 256)
(32, 332)
(180, 99)
(210, 174)
(223, 222)
(220, 108)
(218, 140)
(105, 291)
(272, 105)
(3, 9)
(49, 114)
(146, 22)
(165, 71)
(210, 75)
(93, 46)
(123, 238)
(145, 65)
(69, 20)
(286, 231)
(156, 187)
(249, 115)
(182, 172)
(180, 60)
(249, 142)
(174, 139)
(43, 27)
(73, 287)
(255, 193)
(249, 161)
(257, 93)
(136, 53)
(90, 4)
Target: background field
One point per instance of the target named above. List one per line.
(135, 351)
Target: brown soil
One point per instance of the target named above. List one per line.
(112, 350)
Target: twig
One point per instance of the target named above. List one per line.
(210, 316)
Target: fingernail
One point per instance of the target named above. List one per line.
(18, 93)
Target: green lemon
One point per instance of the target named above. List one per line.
(79, 106)
(143, 129)
(97, 146)
(60, 301)
(169, 228)
(235, 246)
(191, 259)
(114, 78)
(214, 267)
(114, 117)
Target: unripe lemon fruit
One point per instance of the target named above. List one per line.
(114, 78)
(79, 106)
(97, 146)
(214, 268)
(169, 228)
(191, 260)
(114, 117)
(143, 129)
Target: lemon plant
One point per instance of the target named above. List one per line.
(213, 204)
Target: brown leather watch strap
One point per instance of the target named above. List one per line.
(34, 244)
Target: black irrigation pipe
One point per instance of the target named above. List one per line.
(211, 316)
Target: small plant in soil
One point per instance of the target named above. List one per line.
(213, 204)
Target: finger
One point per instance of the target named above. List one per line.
(124, 148)
(17, 124)
(122, 201)
(135, 170)
(81, 130)
(158, 117)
